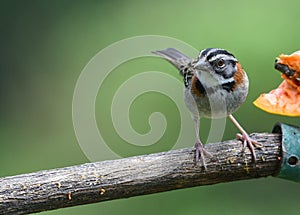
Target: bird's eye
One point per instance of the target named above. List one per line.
(221, 63)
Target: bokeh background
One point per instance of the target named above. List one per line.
(44, 45)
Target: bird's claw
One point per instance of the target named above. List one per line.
(200, 151)
(251, 143)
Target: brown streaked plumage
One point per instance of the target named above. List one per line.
(196, 87)
(215, 78)
(239, 75)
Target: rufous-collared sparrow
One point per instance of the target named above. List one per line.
(215, 87)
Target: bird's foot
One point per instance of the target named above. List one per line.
(251, 143)
(200, 152)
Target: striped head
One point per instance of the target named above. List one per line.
(216, 66)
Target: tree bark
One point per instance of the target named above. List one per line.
(140, 175)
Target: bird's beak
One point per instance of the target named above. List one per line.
(201, 65)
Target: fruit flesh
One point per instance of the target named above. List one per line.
(284, 100)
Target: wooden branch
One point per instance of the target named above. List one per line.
(140, 175)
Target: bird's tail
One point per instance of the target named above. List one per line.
(177, 58)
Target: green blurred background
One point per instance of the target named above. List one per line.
(46, 44)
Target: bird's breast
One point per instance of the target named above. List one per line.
(217, 103)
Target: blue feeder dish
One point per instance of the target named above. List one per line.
(290, 164)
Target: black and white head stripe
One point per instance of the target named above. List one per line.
(204, 52)
(221, 61)
(212, 54)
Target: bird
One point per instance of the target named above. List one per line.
(215, 86)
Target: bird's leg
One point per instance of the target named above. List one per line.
(247, 141)
(200, 151)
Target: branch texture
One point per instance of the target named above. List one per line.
(140, 175)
